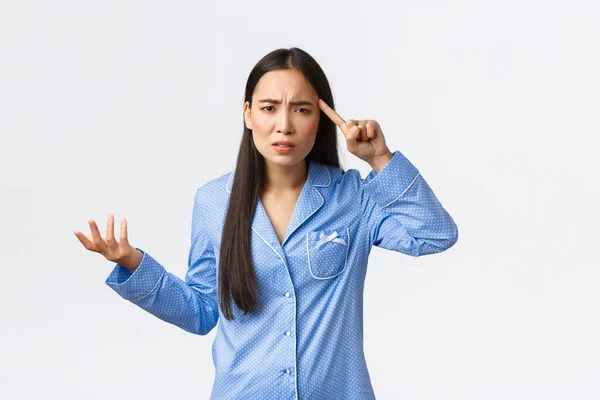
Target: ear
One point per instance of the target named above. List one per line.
(247, 115)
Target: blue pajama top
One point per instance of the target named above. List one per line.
(305, 341)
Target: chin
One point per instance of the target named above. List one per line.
(284, 160)
(292, 158)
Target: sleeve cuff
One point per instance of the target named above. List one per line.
(392, 181)
(139, 284)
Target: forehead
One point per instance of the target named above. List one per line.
(284, 82)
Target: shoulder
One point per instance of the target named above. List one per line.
(214, 189)
(344, 178)
(335, 181)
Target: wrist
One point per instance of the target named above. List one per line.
(133, 261)
(379, 162)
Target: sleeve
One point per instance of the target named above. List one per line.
(402, 213)
(191, 304)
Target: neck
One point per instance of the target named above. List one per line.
(284, 178)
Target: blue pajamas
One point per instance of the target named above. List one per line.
(305, 341)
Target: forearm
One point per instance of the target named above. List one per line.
(189, 305)
(402, 211)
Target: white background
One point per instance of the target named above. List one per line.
(127, 107)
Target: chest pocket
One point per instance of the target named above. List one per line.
(327, 252)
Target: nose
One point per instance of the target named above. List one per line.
(283, 124)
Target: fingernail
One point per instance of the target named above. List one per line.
(354, 129)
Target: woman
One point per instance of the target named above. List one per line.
(279, 246)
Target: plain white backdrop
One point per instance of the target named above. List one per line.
(127, 107)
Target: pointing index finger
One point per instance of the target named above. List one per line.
(334, 116)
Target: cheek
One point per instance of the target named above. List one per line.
(260, 130)
(313, 124)
(309, 126)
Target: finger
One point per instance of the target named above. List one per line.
(97, 239)
(371, 125)
(330, 112)
(353, 131)
(110, 230)
(87, 243)
(351, 139)
(347, 129)
(124, 232)
(363, 130)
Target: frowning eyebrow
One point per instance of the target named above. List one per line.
(294, 103)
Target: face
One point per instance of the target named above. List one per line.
(284, 108)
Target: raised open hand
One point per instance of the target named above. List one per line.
(120, 252)
(364, 138)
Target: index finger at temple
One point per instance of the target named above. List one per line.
(330, 112)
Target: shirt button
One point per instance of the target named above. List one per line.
(287, 371)
(288, 333)
(287, 294)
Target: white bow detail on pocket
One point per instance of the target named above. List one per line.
(331, 238)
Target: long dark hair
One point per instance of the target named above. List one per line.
(236, 272)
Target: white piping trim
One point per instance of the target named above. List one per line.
(288, 271)
(323, 202)
(295, 312)
(322, 198)
(227, 183)
(402, 194)
(332, 276)
(328, 177)
(153, 289)
(282, 260)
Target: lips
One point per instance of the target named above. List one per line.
(283, 143)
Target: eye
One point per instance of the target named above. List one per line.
(304, 110)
